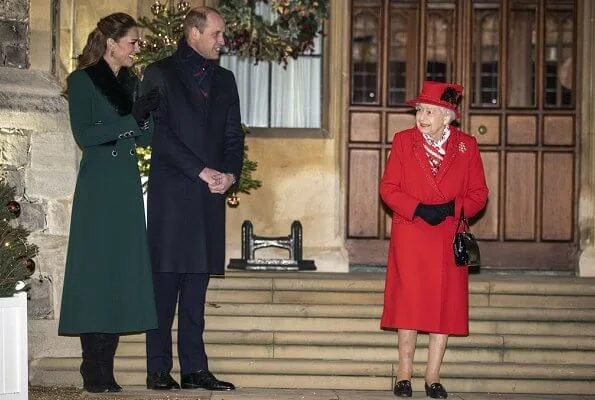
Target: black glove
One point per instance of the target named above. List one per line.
(434, 214)
(142, 107)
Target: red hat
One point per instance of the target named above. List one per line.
(441, 94)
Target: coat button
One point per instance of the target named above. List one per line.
(132, 152)
(121, 136)
(114, 153)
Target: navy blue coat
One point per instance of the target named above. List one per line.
(186, 222)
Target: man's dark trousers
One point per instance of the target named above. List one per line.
(191, 290)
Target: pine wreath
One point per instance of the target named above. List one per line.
(295, 24)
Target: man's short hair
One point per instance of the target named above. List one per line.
(197, 18)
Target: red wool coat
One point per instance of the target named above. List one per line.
(424, 289)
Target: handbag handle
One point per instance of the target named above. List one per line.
(464, 220)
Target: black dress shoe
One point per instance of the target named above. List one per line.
(204, 380)
(403, 388)
(436, 391)
(161, 381)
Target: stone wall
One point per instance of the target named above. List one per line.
(299, 182)
(39, 158)
(14, 33)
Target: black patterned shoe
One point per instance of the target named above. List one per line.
(436, 391)
(204, 380)
(161, 380)
(403, 388)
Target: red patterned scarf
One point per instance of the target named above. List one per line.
(436, 149)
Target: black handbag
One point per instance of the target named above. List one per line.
(465, 247)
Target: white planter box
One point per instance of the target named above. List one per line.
(13, 348)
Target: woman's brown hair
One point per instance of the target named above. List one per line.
(113, 26)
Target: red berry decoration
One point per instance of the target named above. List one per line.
(14, 207)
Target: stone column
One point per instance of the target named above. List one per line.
(586, 96)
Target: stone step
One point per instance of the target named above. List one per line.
(325, 324)
(376, 298)
(384, 338)
(375, 311)
(374, 283)
(321, 374)
(321, 331)
(382, 353)
(367, 289)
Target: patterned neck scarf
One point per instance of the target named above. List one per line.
(202, 69)
(436, 149)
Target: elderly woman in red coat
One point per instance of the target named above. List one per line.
(434, 173)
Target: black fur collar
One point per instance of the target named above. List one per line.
(120, 91)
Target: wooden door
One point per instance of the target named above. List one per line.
(515, 59)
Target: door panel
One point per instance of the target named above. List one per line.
(396, 123)
(363, 192)
(365, 127)
(519, 223)
(485, 128)
(520, 65)
(486, 226)
(521, 129)
(558, 196)
(558, 130)
(515, 59)
(403, 43)
(485, 54)
(365, 53)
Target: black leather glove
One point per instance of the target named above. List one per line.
(142, 107)
(447, 209)
(434, 214)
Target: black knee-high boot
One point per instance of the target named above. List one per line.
(108, 346)
(90, 367)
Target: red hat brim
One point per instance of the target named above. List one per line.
(425, 100)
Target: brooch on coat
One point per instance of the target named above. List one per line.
(462, 147)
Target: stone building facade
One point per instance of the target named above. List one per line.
(303, 177)
(38, 157)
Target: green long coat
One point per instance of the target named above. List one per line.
(108, 282)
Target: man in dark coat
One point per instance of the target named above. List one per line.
(197, 156)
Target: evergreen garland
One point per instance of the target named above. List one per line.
(290, 32)
(16, 264)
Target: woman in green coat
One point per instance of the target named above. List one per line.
(108, 287)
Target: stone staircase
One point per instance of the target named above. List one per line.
(274, 330)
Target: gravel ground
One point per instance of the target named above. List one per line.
(73, 393)
(57, 393)
(140, 393)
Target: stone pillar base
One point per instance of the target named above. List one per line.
(586, 264)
